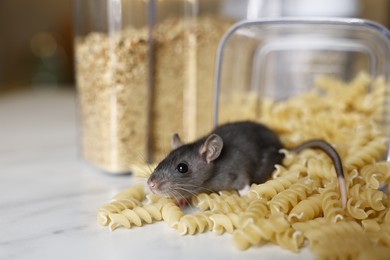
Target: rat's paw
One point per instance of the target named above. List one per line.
(183, 202)
(244, 191)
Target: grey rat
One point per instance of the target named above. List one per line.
(231, 157)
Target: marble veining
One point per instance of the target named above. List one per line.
(49, 195)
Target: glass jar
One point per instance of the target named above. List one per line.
(277, 59)
(283, 57)
(144, 71)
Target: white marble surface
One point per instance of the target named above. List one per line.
(49, 196)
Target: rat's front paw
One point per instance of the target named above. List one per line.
(183, 202)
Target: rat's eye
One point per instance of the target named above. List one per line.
(182, 167)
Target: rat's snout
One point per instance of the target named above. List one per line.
(153, 185)
(158, 185)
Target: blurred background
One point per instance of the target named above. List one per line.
(36, 37)
(35, 44)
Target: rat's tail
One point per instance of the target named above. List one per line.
(334, 156)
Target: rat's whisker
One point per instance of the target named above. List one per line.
(198, 187)
(187, 199)
(140, 181)
(179, 196)
(191, 192)
(150, 168)
(144, 178)
(171, 193)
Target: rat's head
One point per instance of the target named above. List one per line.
(186, 169)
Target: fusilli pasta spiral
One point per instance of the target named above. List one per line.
(301, 203)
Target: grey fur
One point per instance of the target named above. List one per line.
(249, 153)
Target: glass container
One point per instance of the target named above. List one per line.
(281, 58)
(144, 71)
(284, 57)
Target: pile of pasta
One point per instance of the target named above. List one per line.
(300, 205)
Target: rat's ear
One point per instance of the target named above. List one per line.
(211, 148)
(176, 142)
